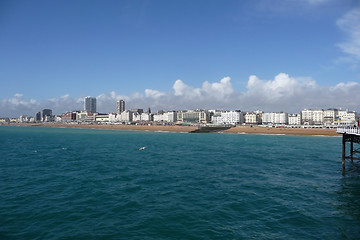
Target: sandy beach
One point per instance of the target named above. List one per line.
(287, 131)
(176, 128)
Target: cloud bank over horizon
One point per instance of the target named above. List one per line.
(283, 93)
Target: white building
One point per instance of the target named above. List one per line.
(228, 117)
(102, 118)
(57, 118)
(275, 118)
(80, 116)
(113, 117)
(312, 117)
(307, 117)
(170, 116)
(252, 118)
(125, 116)
(85, 116)
(141, 117)
(330, 116)
(318, 117)
(24, 119)
(346, 118)
(294, 119)
(146, 117)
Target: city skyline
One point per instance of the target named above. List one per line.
(278, 56)
(306, 117)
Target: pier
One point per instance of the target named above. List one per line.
(349, 135)
(208, 129)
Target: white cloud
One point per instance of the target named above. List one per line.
(350, 24)
(285, 93)
(281, 87)
(153, 93)
(282, 84)
(17, 104)
(219, 90)
(181, 89)
(282, 93)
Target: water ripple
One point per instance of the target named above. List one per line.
(94, 184)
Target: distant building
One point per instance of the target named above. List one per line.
(120, 106)
(38, 117)
(137, 110)
(57, 118)
(113, 117)
(170, 116)
(228, 117)
(68, 117)
(346, 118)
(312, 117)
(330, 116)
(85, 116)
(90, 104)
(24, 119)
(275, 118)
(294, 119)
(4, 120)
(125, 116)
(252, 118)
(318, 117)
(46, 115)
(307, 117)
(142, 117)
(102, 118)
(193, 116)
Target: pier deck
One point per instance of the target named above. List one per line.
(350, 135)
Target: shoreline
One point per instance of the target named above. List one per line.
(187, 129)
(283, 131)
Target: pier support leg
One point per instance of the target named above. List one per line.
(343, 154)
(352, 151)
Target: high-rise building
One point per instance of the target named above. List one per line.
(38, 117)
(90, 104)
(120, 106)
(46, 115)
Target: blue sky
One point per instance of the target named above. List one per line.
(179, 54)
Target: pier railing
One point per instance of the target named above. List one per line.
(348, 130)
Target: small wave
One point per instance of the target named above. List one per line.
(325, 136)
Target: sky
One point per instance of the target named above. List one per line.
(270, 55)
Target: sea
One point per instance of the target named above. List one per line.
(62, 183)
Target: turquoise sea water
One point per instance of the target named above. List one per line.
(95, 184)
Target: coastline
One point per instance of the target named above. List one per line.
(283, 131)
(176, 128)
